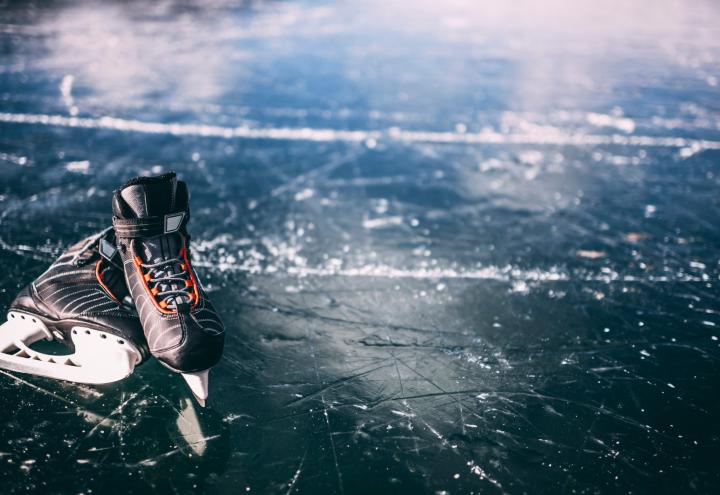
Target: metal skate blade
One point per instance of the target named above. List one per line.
(198, 383)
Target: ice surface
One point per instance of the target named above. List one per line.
(459, 247)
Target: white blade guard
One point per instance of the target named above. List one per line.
(99, 357)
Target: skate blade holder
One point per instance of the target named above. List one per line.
(99, 357)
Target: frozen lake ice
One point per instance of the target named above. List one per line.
(459, 247)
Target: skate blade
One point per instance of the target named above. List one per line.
(198, 383)
(99, 357)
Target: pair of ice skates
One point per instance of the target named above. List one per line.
(119, 296)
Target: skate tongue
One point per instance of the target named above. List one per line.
(150, 196)
(161, 248)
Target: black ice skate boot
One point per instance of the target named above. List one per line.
(80, 302)
(150, 215)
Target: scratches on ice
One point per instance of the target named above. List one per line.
(152, 461)
(296, 476)
(335, 383)
(38, 388)
(119, 409)
(331, 440)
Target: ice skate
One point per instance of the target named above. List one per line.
(79, 301)
(183, 331)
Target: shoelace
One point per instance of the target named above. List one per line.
(159, 276)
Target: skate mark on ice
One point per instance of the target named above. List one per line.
(296, 476)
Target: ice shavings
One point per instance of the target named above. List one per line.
(601, 120)
(80, 167)
(377, 223)
(269, 255)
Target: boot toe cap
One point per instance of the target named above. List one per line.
(200, 347)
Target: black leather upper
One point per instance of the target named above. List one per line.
(186, 338)
(69, 293)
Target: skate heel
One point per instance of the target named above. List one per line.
(99, 357)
